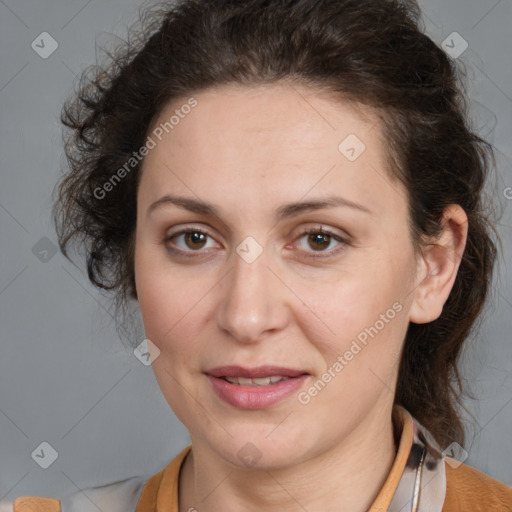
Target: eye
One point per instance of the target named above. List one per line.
(190, 242)
(187, 241)
(320, 240)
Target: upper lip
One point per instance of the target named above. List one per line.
(253, 373)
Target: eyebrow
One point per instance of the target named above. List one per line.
(283, 212)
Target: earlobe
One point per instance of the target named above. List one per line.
(438, 266)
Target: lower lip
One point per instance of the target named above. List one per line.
(255, 397)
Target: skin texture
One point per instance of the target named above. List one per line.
(249, 150)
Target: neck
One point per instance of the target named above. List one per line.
(349, 476)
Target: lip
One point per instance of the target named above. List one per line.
(253, 373)
(255, 397)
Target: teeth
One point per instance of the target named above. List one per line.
(261, 381)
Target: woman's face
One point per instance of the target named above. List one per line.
(228, 276)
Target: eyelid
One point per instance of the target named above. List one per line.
(321, 228)
(186, 229)
(182, 231)
(343, 241)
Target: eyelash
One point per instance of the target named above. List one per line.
(316, 230)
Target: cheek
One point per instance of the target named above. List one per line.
(157, 297)
(172, 305)
(362, 357)
(366, 308)
(356, 301)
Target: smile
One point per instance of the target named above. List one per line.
(261, 381)
(255, 388)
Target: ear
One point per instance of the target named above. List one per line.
(438, 266)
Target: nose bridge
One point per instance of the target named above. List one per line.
(250, 304)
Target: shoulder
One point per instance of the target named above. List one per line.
(120, 496)
(115, 497)
(470, 489)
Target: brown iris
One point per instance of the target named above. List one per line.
(197, 239)
(320, 240)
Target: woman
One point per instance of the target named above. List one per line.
(291, 193)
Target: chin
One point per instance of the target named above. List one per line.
(264, 452)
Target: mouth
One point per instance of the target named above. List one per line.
(255, 388)
(260, 381)
(254, 376)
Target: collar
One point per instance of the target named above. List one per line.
(416, 481)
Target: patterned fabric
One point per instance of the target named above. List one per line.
(422, 487)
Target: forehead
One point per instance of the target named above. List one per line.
(282, 114)
(265, 144)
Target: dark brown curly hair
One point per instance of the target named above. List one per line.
(372, 52)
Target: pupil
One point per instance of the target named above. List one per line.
(195, 238)
(321, 239)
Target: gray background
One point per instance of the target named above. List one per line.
(65, 376)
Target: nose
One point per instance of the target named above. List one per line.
(253, 302)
